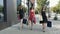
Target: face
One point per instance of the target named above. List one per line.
(44, 8)
(32, 8)
(20, 7)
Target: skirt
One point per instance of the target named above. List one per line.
(45, 20)
(33, 19)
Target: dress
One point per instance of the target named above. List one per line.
(44, 17)
(21, 12)
(32, 16)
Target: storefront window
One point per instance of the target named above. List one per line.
(1, 10)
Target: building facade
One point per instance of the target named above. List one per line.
(10, 13)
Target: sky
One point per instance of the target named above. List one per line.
(52, 2)
(1, 2)
(24, 3)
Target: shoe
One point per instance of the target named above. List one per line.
(43, 31)
(30, 29)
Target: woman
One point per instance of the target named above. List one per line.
(44, 17)
(21, 13)
(32, 17)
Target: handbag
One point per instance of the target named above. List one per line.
(41, 22)
(49, 24)
(24, 21)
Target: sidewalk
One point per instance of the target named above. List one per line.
(37, 29)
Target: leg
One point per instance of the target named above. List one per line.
(29, 22)
(31, 25)
(44, 26)
(21, 23)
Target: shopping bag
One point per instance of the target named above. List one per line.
(24, 21)
(49, 24)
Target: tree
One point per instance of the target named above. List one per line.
(40, 3)
(1, 8)
(56, 9)
(24, 8)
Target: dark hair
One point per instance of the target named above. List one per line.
(31, 8)
(43, 7)
(19, 5)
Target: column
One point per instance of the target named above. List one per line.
(11, 12)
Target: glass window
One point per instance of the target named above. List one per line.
(1, 10)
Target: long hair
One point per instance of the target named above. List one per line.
(43, 9)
